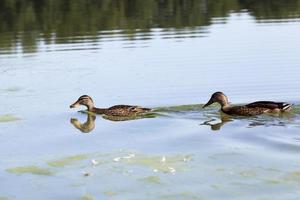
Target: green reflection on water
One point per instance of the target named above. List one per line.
(64, 18)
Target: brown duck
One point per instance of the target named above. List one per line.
(118, 110)
(255, 108)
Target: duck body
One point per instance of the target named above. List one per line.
(118, 110)
(121, 110)
(252, 109)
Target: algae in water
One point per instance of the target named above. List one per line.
(184, 195)
(293, 177)
(163, 164)
(30, 170)
(8, 118)
(13, 89)
(66, 161)
(151, 179)
(109, 193)
(87, 197)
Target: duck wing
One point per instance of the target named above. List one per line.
(244, 110)
(126, 110)
(269, 105)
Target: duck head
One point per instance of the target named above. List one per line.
(84, 100)
(218, 97)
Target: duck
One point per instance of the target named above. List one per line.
(252, 109)
(117, 110)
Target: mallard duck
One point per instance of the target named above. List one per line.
(255, 108)
(118, 110)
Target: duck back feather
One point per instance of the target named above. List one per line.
(270, 105)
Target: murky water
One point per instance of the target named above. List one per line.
(168, 55)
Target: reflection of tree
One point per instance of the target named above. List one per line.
(45, 18)
(270, 9)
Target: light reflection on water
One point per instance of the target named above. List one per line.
(172, 58)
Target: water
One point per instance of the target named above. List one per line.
(168, 55)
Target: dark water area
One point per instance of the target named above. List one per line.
(162, 54)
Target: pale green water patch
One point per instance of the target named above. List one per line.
(248, 174)
(30, 170)
(165, 164)
(87, 197)
(13, 89)
(272, 182)
(67, 161)
(151, 179)
(183, 195)
(293, 177)
(290, 178)
(109, 193)
(8, 118)
(4, 198)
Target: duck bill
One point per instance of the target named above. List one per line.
(74, 105)
(208, 103)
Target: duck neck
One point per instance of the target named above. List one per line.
(90, 108)
(224, 103)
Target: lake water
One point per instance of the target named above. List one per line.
(167, 55)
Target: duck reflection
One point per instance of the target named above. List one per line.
(87, 126)
(216, 122)
(118, 118)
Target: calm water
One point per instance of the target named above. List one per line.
(168, 55)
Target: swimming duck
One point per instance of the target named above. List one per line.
(255, 108)
(118, 110)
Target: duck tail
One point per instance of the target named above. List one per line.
(147, 109)
(287, 106)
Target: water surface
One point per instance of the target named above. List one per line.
(168, 55)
